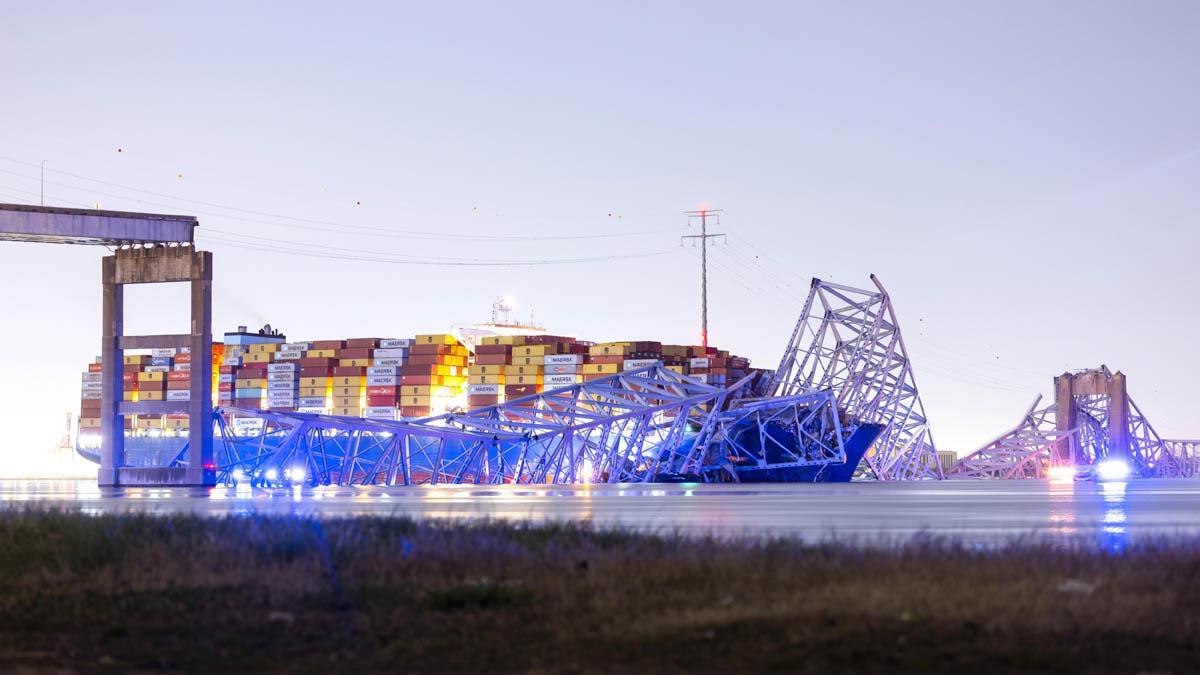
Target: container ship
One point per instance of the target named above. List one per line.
(372, 377)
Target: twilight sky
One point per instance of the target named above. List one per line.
(1021, 175)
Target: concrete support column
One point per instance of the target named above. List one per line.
(1118, 418)
(112, 422)
(200, 469)
(1064, 419)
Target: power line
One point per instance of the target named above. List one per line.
(341, 227)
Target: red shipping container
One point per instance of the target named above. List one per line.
(382, 391)
(315, 371)
(349, 371)
(179, 384)
(417, 379)
(132, 368)
(417, 369)
(359, 353)
(179, 376)
(183, 358)
(314, 362)
(482, 401)
(379, 401)
(512, 391)
(95, 367)
(360, 343)
(426, 359)
(432, 349)
(487, 349)
(225, 386)
(492, 359)
(329, 344)
(414, 411)
(129, 377)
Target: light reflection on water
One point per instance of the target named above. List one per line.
(1110, 515)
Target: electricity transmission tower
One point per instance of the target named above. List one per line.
(703, 238)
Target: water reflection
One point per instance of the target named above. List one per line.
(1113, 531)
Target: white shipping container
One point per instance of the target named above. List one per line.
(225, 378)
(285, 385)
(563, 359)
(483, 390)
(92, 395)
(311, 402)
(93, 377)
(93, 386)
(231, 361)
(380, 413)
(157, 369)
(185, 350)
(179, 395)
(634, 364)
(393, 361)
(392, 353)
(569, 369)
(383, 380)
(183, 367)
(392, 343)
(162, 352)
(560, 380)
(383, 370)
(289, 356)
(311, 410)
(699, 362)
(295, 346)
(282, 368)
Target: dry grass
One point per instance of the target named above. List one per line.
(281, 594)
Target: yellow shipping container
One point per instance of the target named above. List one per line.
(348, 381)
(458, 360)
(354, 363)
(151, 396)
(314, 392)
(522, 370)
(533, 350)
(355, 391)
(515, 340)
(610, 349)
(347, 401)
(486, 379)
(488, 369)
(136, 359)
(314, 381)
(251, 383)
(89, 422)
(258, 357)
(147, 422)
(417, 390)
(347, 411)
(130, 396)
(528, 360)
(601, 368)
(264, 348)
(676, 369)
(524, 379)
(415, 400)
(436, 339)
(321, 353)
(151, 377)
(176, 423)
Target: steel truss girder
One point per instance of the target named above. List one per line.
(630, 427)
(775, 433)
(848, 340)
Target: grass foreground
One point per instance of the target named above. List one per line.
(139, 593)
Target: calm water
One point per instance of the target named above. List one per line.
(1110, 514)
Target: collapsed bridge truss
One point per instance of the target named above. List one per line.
(645, 425)
(848, 341)
(1092, 418)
